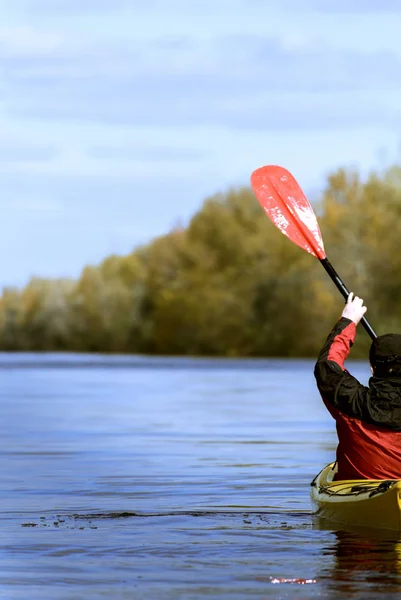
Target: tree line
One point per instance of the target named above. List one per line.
(227, 284)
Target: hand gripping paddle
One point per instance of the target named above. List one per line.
(288, 208)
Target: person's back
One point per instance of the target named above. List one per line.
(368, 419)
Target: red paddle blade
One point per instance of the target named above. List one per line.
(288, 208)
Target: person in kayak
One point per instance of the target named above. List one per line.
(368, 419)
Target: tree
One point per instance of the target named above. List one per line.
(227, 284)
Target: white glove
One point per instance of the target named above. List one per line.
(354, 309)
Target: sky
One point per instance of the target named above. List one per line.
(119, 117)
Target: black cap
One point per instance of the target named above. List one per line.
(385, 349)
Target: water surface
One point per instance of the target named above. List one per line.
(130, 477)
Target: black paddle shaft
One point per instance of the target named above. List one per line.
(341, 286)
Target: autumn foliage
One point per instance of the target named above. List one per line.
(228, 284)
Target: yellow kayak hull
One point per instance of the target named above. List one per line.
(362, 502)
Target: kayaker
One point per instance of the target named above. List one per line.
(368, 419)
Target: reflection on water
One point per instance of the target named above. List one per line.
(365, 559)
(132, 478)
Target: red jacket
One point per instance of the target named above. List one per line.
(368, 419)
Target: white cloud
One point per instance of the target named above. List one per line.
(205, 85)
(345, 6)
(23, 40)
(61, 8)
(146, 153)
(17, 152)
(34, 205)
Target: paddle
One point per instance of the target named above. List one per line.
(288, 208)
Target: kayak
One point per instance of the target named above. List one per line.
(361, 502)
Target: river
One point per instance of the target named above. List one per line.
(170, 478)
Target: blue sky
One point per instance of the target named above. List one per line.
(118, 117)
